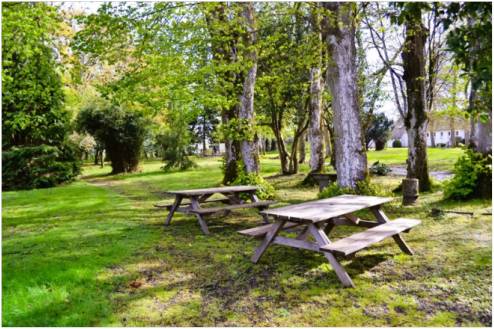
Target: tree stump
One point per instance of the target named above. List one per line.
(323, 179)
(410, 187)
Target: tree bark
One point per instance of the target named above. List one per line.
(301, 149)
(315, 125)
(248, 146)
(416, 117)
(351, 159)
(327, 142)
(483, 136)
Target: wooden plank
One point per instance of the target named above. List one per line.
(324, 209)
(186, 203)
(359, 241)
(212, 190)
(176, 204)
(322, 239)
(262, 230)
(232, 207)
(268, 238)
(300, 244)
(362, 222)
(382, 218)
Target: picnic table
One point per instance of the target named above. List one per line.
(231, 200)
(318, 218)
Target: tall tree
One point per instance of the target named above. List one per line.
(413, 56)
(339, 30)
(470, 40)
(249, 143)
(316, 91)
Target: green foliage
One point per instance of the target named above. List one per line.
(266, 191)
(175, 147)
(32, 94)
(380, 169)
(378, 130)
(472, 177)
(470, 40)
(396, 143)
(364, 187)
(39, 166)
(120, 130)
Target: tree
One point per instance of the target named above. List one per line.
(470, 40)
(121, 131)
(249, 142)
(413, 57)
(378, 131)
(32, 95)
(36, 151)
(316, 95)
(339, 28)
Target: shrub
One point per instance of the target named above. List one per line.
(176, 148)
(121, 131)
(396, 143)
(379, 169)
(266, 190)
(39, 166)
(472, 177)
(364, 187)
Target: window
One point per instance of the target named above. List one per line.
(449, 133)
(441, 133)
(457, 133)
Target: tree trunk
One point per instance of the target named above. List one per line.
(248, 146)
(301, 149)
(327, 142)
(315, 125)
(416, 117)
(351, 159)
(483, 136)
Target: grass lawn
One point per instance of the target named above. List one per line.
(95, 253)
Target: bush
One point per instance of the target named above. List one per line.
(363, 188)
(121, 131)
(472, 177)
(379, 169)
(39, 166)
(396, 143)
(176, 148)
(266, 190)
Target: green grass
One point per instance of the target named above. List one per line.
(438, 158)
(94, 253)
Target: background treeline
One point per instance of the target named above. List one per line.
(145, 79)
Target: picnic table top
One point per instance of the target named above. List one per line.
(223, 189)
(324, 209)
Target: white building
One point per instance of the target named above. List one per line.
(440, 134)
(218, 148)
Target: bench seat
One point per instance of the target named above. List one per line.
(187, 203)
(213, 210)
(260, 231)
(361, 240)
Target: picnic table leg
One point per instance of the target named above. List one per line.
(194, 202)
(176, 204)
(322, 239)
(382, 218)
(275, 229)
(254, 198)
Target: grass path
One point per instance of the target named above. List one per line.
(96, 254)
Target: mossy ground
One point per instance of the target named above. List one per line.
(95, 253)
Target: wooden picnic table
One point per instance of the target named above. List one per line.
(231, 201)
(318, 218)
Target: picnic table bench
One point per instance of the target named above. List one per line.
(318, 218)
(231, 200)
